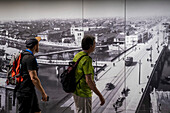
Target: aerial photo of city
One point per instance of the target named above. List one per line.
(131, 60)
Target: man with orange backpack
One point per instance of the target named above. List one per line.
(26, 94)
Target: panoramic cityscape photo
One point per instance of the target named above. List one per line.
(131, 59)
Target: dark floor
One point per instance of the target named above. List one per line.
(53, 89)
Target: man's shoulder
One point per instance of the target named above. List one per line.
(27, 56)
(81, 53)
(26, 53)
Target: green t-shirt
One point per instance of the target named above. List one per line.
(84, 66)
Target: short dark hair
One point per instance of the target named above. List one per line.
(87, 41)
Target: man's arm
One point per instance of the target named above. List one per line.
(93, 87)
(37, 83)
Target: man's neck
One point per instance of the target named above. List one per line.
(87, 51)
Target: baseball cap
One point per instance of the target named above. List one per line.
(32, 42)
(38, 38)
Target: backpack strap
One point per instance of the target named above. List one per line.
(76, 63)
(83, 72)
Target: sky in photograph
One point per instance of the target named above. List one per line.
(148, 8)
(33, 10)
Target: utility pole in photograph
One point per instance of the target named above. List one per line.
(139, 70)
(96, 67)
(151, 53)
(118, 52)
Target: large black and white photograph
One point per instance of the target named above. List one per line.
(125, 69)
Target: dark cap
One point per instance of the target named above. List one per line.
(31, 43)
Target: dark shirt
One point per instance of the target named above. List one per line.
(28, 63)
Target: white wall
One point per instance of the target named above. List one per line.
(78, 37)
(131, 40)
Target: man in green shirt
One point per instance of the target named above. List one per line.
(83, 94)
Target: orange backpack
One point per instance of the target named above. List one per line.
(14, 70)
